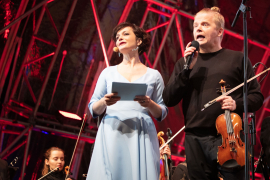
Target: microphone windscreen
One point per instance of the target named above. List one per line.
(195, 44)
(115, 49)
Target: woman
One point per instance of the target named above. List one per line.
(126, 145)
(54, 157)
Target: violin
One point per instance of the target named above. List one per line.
(231, 153)
(164, 169)
(67, 170)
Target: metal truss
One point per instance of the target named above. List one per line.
(27, 129)
(11, 104)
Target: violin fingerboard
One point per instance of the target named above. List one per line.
(229, 122)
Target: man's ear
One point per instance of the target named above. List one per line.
(220, 32)
(139, 41)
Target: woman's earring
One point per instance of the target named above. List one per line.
(135, 48)
(119, 54)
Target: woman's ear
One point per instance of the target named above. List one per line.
(46, 162)
(139, 41)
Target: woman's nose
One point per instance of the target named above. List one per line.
(120, 37)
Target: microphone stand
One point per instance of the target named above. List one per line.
(252, 142)
(244, 9)
(169, 134)
(56, 169)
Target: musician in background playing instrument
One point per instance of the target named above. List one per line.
(54, 157)
(264, 160)
(3, 170)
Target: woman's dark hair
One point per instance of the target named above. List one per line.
(140, 33)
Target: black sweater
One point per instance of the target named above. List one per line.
(56, 176)
(198, 86)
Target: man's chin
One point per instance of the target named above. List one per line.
(202, 43)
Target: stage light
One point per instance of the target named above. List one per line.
(70, 115)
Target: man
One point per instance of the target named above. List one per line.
(197, 86)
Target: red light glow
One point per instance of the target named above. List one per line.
(267, 109)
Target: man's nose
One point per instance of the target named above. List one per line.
(198, 29)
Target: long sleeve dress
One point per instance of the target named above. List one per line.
(126, 146)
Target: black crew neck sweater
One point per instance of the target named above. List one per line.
(198, 86)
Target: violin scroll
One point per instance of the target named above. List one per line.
(160, 139)
(67, 170)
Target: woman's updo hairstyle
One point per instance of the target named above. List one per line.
(140, 33)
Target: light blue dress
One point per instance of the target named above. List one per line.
(126, 146)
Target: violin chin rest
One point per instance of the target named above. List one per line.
(231, 164)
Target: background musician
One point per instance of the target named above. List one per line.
(265, 142)
(54, 157)
(3, 170)
(197, 85)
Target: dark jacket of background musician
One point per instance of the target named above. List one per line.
(3, 170)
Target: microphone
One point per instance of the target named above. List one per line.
(116, 49)
(189, 58)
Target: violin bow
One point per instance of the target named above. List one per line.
(84, 118)
(172, 137)
(56, 169)
(232, 90)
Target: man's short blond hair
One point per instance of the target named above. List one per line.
(218, 18)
